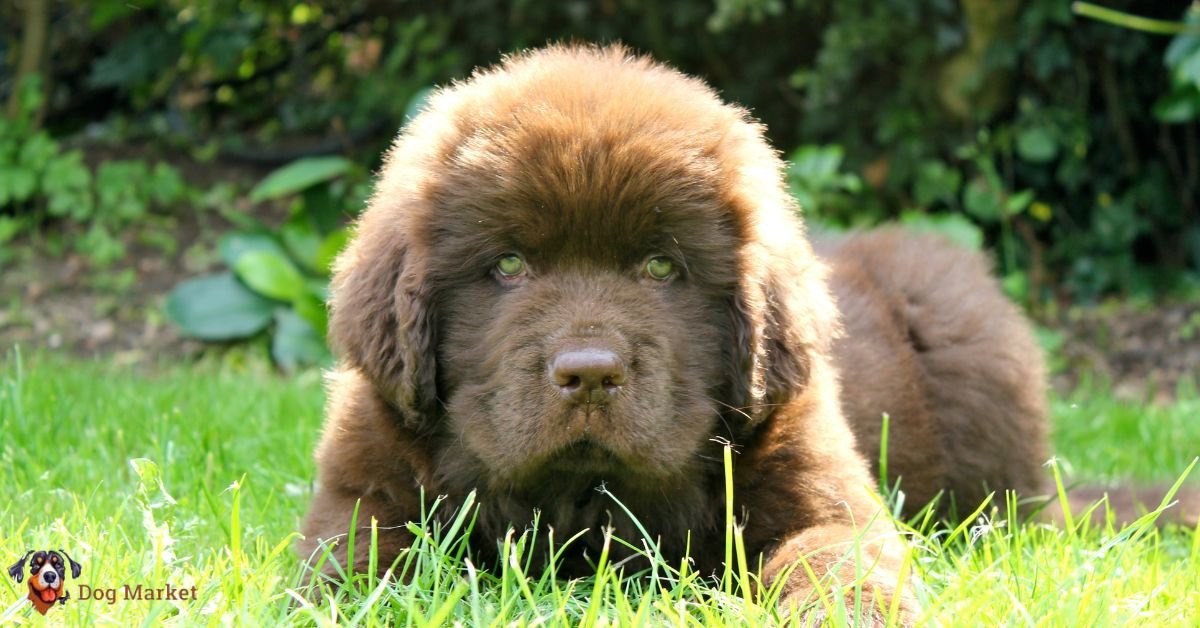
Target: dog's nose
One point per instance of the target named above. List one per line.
(49, 577)
(589, 375)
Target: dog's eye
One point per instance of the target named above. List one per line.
(510, 266)
(660, 268)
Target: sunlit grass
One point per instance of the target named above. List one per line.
(197, 476)
(1103, 439)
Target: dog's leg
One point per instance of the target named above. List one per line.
(327, 532)
(864, 564)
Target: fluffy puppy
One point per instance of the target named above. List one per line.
(582, 268)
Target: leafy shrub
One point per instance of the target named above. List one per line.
(40, 181)
(34, 170)
(815, 178)
(1048, 133)
(277, 279)
(1068, 143)
(234, 76)
(830, 197)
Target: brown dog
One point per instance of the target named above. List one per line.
(582, 267)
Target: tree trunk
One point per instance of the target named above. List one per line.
(33, 44)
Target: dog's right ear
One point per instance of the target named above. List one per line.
(76, 568)
(382, 322)
(17, 570)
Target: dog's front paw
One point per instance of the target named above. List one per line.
(841, 605)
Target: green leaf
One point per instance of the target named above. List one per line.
(298, 176)
(1183, 58)
(311, 307)
(813, 177)
(936, 182)
(105, 12)
(318, 287)
(1037, 145)
(953, 227)
(815, 162)
(29, 96)
(135, 59)
(270, 274)
(119, 189)
(1016, 285)
(302, 241)
(100, 246)
(296, 343)
(330, 248)
(240, 219)
(1050, 340)
(166, 185)
(68, 186)
(323, 210)
(10, 226)
(1188, 71)
(16, 185)
(1181, 105)
(981, 201)
(235, 244)
(218, 307)
(1017, 203)
(37, 151)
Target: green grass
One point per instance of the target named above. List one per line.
(197, 476)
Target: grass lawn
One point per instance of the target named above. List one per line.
(197, 476)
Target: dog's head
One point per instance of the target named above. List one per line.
(47, 572)
(581, 262)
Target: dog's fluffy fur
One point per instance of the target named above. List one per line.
(587, 162)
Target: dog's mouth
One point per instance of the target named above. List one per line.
(584, 456)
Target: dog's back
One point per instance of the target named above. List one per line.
(930, 340)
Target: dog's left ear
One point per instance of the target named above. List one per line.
(17, 570)
(76, 568)
(382, 319)
(784, 320)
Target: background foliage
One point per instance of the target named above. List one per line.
(1068, 145)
